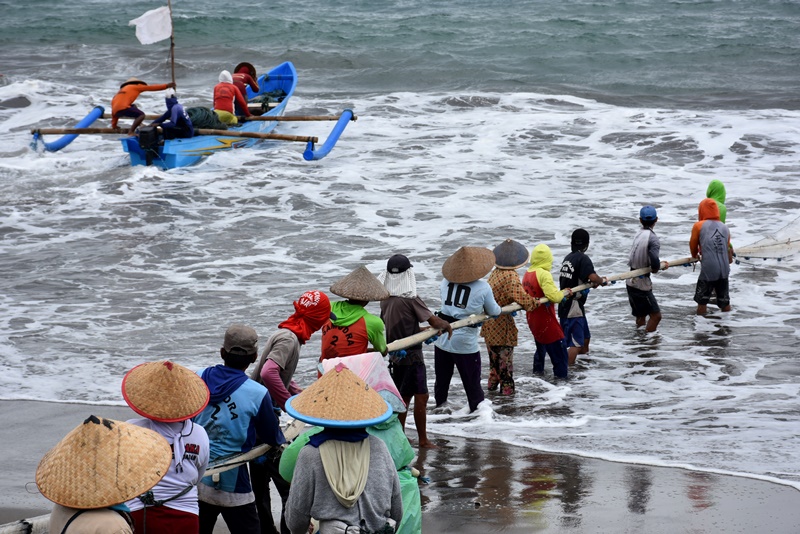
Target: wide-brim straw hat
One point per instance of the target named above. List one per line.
(164, 391)
(103, 462)
(251, 69)
(468, 264)
(339, 399)
(510, 254)
(360, 285)
(134, 81)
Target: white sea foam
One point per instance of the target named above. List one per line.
(105, 266)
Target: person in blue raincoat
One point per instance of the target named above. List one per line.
(175, 122)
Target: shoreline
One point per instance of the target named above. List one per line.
(478, 486)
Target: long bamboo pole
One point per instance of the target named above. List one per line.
(265, 118)
(425, 335)
(200, 131)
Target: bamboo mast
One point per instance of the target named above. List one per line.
(171, 41)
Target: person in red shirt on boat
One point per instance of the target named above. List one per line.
(225, 94)
(244, 76)
(122, 105)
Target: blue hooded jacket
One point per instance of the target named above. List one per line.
(238, 410)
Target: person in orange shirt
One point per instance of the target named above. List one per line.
(122, 105)
(711, 242)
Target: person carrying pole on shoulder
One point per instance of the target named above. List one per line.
(354, 329)
(275, 369)
(463, 294)
(547, 332)
(500, 334)
(402, 314)
(644, 253)
(711, 242)
(238, 410)
(577, 269)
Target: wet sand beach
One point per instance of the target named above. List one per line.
(479, 486)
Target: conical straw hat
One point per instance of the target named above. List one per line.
(164, 391)
(101, 463)
(510, 254)
(129, 81)
(360, 285)
(468, 264)
(339, 399)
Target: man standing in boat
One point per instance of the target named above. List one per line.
(122, 105)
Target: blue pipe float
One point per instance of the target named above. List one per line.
(311, 154)
(58, 144)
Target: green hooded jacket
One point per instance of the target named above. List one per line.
(716, 190)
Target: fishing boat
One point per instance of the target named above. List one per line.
(276, 87)
(267, 105)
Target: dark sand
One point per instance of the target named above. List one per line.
(480, 486)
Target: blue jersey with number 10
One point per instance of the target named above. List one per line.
(460, 301)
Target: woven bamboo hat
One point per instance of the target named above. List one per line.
(468, 264)
(510, 254)
(339, 399)
(251, 70)
(360, 285)
(132, 81)
(164, 391)
(101, 463)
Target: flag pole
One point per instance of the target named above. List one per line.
(171, 41)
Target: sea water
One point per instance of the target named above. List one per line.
(477, 122)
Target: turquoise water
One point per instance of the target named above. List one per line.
(701, 54)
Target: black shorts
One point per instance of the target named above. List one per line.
(705, 288)
(643, 303)
(410, 379)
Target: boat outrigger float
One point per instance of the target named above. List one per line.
(267, 105)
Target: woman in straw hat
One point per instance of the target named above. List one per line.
(463, 294)
(275, 369)
(500, 334)
(372, 369)
(168, 395)
(344, 478)
(96, 468)
(354, 329)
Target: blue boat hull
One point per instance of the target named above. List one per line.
(176, 153)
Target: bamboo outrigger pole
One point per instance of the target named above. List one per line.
(425, 335)
(199, 131)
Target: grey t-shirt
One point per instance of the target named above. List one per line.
(283, 348)
(402, 317)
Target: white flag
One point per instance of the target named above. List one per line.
(153, 26)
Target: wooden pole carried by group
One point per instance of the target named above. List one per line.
(425, 335)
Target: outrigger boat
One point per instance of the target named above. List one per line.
(268, 107)
(275, 89)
